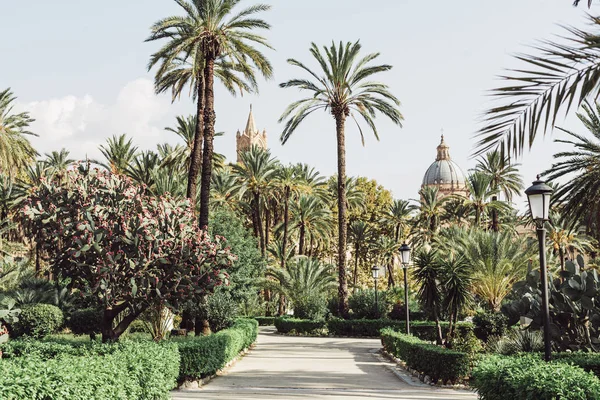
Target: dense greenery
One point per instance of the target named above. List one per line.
(38, 320)
(438, 363)
(500, 378)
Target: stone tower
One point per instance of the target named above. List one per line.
(250, 137)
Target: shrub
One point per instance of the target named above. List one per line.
(300, 326)
(588, 361)
(205, 355)
(221, 311)
(310, 306)
(138, 326)
(132, 370)
(265, 321)
(86, 322)
(399, 313)
(425, 330)
(38, 320)
(488, 324)
(437, 362)
(524, 378)
(362, 304)
(517, 341)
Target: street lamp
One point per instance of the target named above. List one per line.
(375, 273)
(405, 258)
(539, 205)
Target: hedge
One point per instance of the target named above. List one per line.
(205, 355)
(300, 326)
(265, 321)
(425, 330)
(528, 377)
(437, 362)
(132, 370)
(588, 361)
(38, 320)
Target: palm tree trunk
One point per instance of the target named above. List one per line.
(209, 137)
(356, 250)
(340, 120)
(397, 235)
(495, 222)
(196, 154)
(261, 232)
(391, 281)
(301, 240)
(286, 220)
(439, 338)
(267, 225)
(561, 254)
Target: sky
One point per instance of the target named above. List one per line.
(79, 67)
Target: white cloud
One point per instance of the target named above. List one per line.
(81, 124)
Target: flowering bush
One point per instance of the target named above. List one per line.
(124, 247)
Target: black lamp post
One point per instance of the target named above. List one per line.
(405, 256)
(539, 205)
(375, 273)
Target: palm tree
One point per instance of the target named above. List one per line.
(456, 283)
(224, 189)
(359, 234)
(565, 237)
(560, 75)
(387, 248)
(427, 275)
(256, 173)
(398, 216)
(505, 178)
(580, 195)
(207, 35)
(289, 182)
(430, 210)
(142, 168)
(119, 152)
(15, 150)
(58, 160)
(481, 191)
(344, 90)
(312, 218)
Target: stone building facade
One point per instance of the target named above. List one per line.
(250, 137)
(445, 174)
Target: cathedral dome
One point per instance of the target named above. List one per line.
(444, 172)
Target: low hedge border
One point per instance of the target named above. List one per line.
(425, 330)
(265, 321)
(439, 363)
(203, 356)
(529, 377)
(130, 370)
(588, 361)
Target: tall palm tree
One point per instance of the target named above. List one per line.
(398, 216)
(142, 168)
(580, 195)
(387, 249)
(342, 88)
(224, 189)
(312, 219)
(289, 182)
(565, 237)
(16, 152)
(505, 178)
(431, 208)
(256, 173)
(480, 189)
(560, 75)
(359, 234)
(119, 152)
(58, 160)
(456, 283)
(211, 32)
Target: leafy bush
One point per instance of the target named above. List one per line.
(399, 313)
(464, 341)
(437, 362)
(310, 306)
(205, 355)
(138, 326)
(300, 326)
(588, 361)
(362, 304)
(488, 324)
(38, 320)
(265, 321)
(131, 370)
(524, 378)
(517, 341)
(220, 310)
(85, 322)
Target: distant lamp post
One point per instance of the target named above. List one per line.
(405, 258)
(375, 273)
(539, 204)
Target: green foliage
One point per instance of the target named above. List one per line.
(517, 341)
(132, 370)
(435, 361)
(265, 321)
(220, 310)
(205, 355)
(38, 320)
(587, 361)
(464, 341)
(300, 326)
(310, 306)
(362, 304)
(85, 322)
(524, 378)
(574, 306)
(138, 326)
(151, 248)
(9, 313)
(488, 324)
(424, 330)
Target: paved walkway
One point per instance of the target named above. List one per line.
(284, 367)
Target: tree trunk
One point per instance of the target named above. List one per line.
(391, 281)
(561, 254)
(356, 250)
(340, 120)
(301, 241)
(196, 154)
(261, 232)
(110, 334)
(439, 338)
(495, 222)
(286, 220)
(209, 137)
(267, 226)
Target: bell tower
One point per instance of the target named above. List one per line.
(250, 137)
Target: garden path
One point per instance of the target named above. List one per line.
(285, 367)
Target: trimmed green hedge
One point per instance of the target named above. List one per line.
(425, 330)
(205, 355)
(528, 377)
(437, 362)
(38, 320)
(300, 326)
(588, 361)
(129, 370)
(265, 321)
